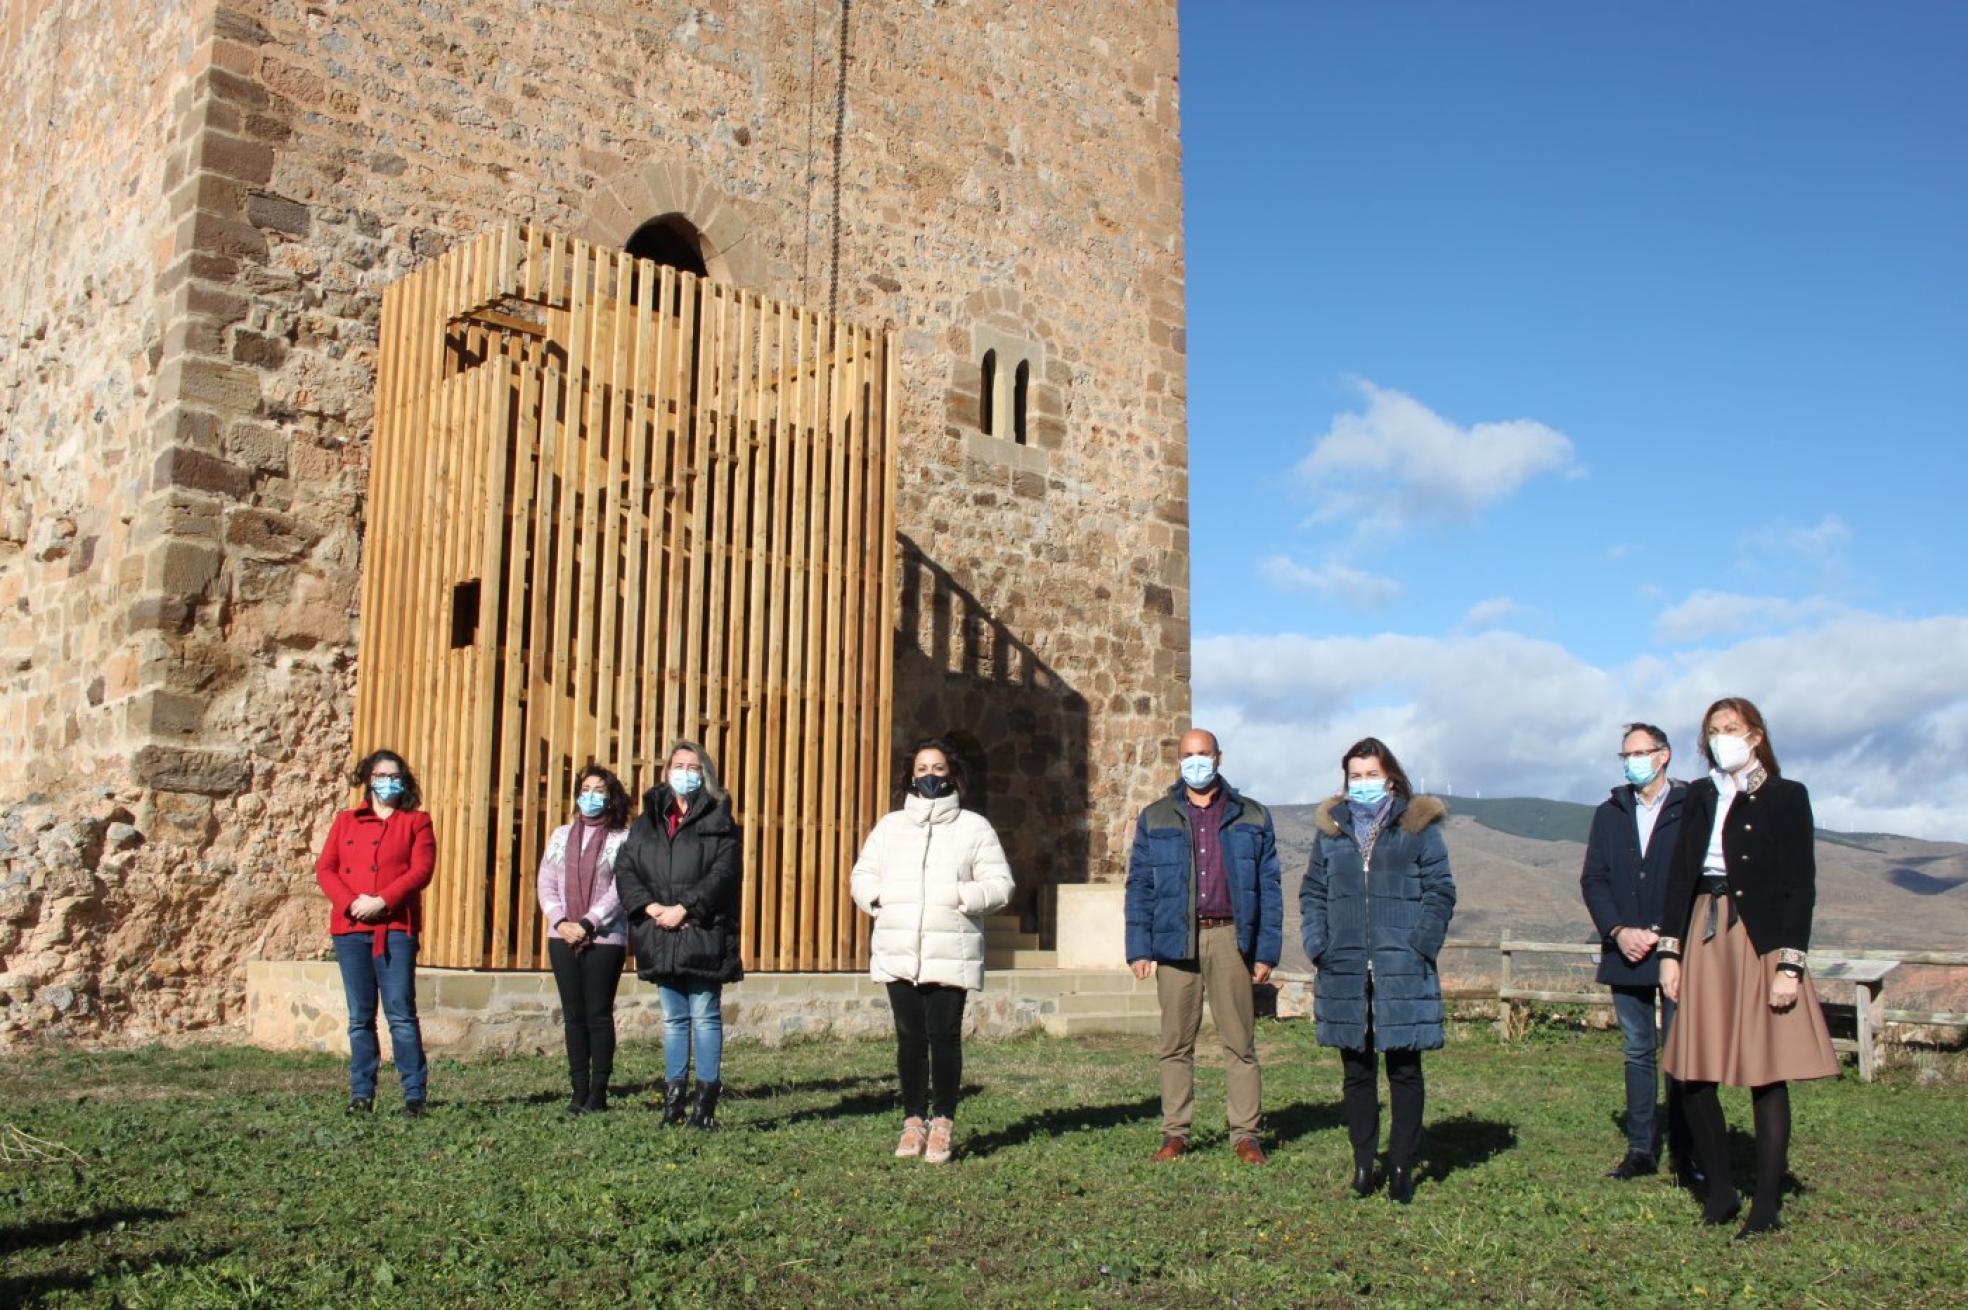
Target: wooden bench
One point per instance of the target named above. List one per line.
(1867, 977)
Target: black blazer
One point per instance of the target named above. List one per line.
(697, 869)
(1622, 888)
(1768, 844)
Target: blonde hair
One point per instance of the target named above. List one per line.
(704, 761)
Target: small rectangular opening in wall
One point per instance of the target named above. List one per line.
(464, 614)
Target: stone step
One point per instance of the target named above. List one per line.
(1110, 1003)
(1081, 1025)
(1019, 959)
(1011, 941)
(997, 923)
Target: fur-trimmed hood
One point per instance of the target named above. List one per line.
(1417, 814)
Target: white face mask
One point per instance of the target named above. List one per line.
(1729, 753)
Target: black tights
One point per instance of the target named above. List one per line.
(928, 1046)
(587, 980)
(1771, 1105)
(1361, 1097)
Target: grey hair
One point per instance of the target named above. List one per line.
(711, 785)
(1660, 738)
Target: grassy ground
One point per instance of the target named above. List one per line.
(228, 1177)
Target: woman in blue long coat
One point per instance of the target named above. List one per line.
(1374, 910)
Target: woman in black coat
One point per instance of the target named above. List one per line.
(678, 874)
(1737, 926)
(1374, 911)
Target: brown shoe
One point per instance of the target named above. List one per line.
(1249, 1151)
(914, 1137)
(1171, 1147)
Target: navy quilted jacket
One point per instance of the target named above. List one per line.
(1374, 926)
(1161, 881)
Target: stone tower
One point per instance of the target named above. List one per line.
(203, 201)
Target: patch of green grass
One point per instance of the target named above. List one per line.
(228, 1177)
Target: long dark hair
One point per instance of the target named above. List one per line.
(1373, 748)
(615, 813)
(413, 795)
(959, 772)
(1752, 718)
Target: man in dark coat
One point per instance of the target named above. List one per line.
(1624, 881)
(1205, 917)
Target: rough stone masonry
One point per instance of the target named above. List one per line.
(203, 201)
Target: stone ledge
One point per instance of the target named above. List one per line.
(297, 1006)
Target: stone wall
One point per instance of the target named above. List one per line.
(182, 669)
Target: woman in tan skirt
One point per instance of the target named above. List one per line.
(1738, 923)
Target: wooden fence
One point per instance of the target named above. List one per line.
(612, 505)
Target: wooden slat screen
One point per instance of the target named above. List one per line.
(612, 504)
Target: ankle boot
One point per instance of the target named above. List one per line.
(676, 1099)
(705, 1115)
(1401, 1184)
(598, 1094)
(1364, 1183)
(578, 1102)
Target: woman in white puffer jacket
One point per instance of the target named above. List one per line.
(928, 874)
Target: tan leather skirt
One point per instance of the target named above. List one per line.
(1724, 1030)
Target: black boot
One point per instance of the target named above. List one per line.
(676, 1098)
(705, 1115)
(1401, 1184)
(1364, 1183)
(598, 1094)
(578, 1102)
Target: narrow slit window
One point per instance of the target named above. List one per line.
(1021, 385)
(988, 399)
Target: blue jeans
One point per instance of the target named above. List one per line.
(1634, 1007)
(693, 1015)
(393, 976)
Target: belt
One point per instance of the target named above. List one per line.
(1716, 888)
(1212, 923)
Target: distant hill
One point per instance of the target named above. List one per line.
(1517, 859)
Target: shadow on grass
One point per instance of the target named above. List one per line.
(1057, 1123)
(30, 1289)
(1465, 1142)
(1289, 1123)
(865, 1096)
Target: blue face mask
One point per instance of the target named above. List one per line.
(1640, 770)
(1367, 791)
(591, 804)
(1198, 771)
(685, 782)
(386, 789)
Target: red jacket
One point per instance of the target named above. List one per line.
(366, 856)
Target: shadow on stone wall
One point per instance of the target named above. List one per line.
(961, 674)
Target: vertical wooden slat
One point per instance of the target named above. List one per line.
(682, 478)
(826, 867)
(495, 441)
(752, 480)
(853, 487)
(794, 813)
(774, 920)
(661, 477)
(629, 658)
(512, 788)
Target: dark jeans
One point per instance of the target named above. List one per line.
(1634, 1007)
(587, 980)
(928, 1046)
(1362, 1102)
(393, 976)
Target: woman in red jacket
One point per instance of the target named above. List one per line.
(374, 869)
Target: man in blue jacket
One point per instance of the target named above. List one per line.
(1205, 916)
(1625, 884)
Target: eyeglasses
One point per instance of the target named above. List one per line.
(1640, 755)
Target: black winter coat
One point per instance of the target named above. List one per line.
(1768, 844)
(697, 869)
(1624, 890)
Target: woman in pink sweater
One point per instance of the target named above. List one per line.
(586, 937)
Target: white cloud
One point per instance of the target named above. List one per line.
(1400, 461)
(1489, 613)
(1331, 581)
(1821, 542)
(1722, 614)
(1870, 712)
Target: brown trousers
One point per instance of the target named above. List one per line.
(1221, 976)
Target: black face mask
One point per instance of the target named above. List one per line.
(932, 786)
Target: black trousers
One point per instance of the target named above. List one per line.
(587, 981)
(928, 1046)
(1361, 1098)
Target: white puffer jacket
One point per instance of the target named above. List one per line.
(928, 873)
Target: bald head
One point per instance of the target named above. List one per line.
(1199, 741)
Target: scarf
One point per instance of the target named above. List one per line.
(584, 843)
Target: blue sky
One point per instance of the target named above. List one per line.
(1553, 365)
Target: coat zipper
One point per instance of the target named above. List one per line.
(1366, 896)
(922, 893)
